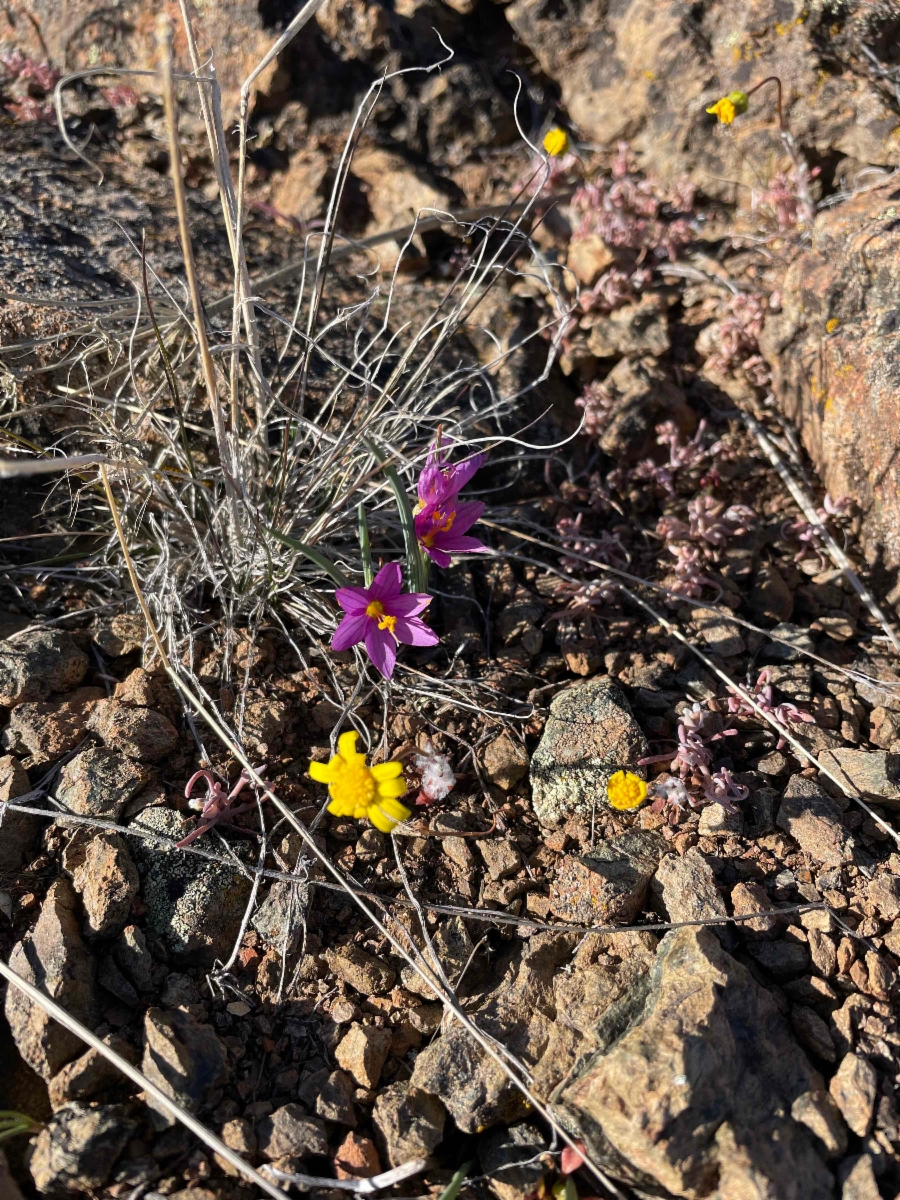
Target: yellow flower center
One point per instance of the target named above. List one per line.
(388, 623)
(556, 142)
(375, 609)
(353, 788)
(626, 790)
(443, 523)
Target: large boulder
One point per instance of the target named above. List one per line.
(645, 71)
(695, 1096)
(835, 371)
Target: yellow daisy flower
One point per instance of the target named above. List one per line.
(556, 141)
(358, 790)
(729, 107)
(626, 790)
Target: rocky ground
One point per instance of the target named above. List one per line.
(688, 1054)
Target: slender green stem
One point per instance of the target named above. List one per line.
(314, 556)
(12, 1123)
(454, 1187)
(417, 566)
(365, 548)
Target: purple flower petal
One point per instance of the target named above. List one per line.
(409, 605)
(466, 515)
(381, 648)
(437, 555)
(350, 631)
(457, 543)
(352, 599)
(413, 632)
(387, 584)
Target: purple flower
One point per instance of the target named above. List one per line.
(441, 528)
(381, 617)
(441, 481)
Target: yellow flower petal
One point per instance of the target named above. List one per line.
(347, 745)
(388, 770)
(555, 141)
(625, 791)
(387, 813)
(388, 788)
(322, 772)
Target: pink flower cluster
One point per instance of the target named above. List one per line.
(684, 454)
(695, 543)
(33, 82)
(633, 213)
(762, 693)
(735, 340)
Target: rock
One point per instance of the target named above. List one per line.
(783, 960)
(718, 821)
(792, 641)
(609, 884)
(298, 190)
(140, 733)
(77, 1149)
(505, 761)
(454, 948)
(363, 971)
(182, 1057)
(721, 635)
(277, 919)
(288, 1131)
(99, 783)
(111, 978)
(812, 1032)
(472, 1086)
(854, 1089)
(501, 857)
(642, 395)
(38, 663)
(90, 1074)
(335, 1100)
(264, 722)
(105, 878)
(687, 888)
(83, 36)
(884, 893)
(589, 735)
(822, 1117)
(813, 820)
(873, 773)
(196, 907)
(54, 958)
(770, 597)
(125, 633)
(847, 406)
(397, 192)
(588, 257)
(19, 831)
(362, 1052)
(510, 1157)
(238, 1135)
(861, 1183)
(356, 1158)
(697, 1086)
(43, 731)
(408, 1123)
(641, 328)
(752, 898)
(640, 73)
(132, 956)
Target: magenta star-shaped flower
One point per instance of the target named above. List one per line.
(382, 617)
(442, 521)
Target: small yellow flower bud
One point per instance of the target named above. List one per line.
(556, 141)
(729, 107)
(626, 790)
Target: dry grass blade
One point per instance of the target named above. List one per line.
(36, 996)
(19, 468)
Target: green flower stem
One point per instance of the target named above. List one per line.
(365, 548)
(325, 564)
